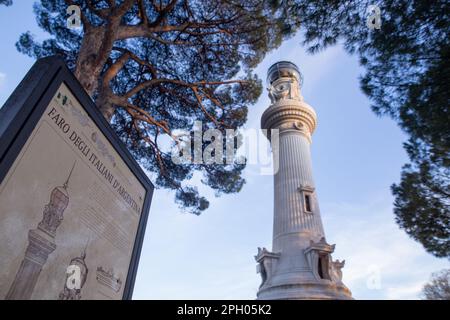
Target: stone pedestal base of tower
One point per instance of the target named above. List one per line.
(304, 290)
(310, 274)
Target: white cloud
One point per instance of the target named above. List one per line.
(405, 292)
(377, 251)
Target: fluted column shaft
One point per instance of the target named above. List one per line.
(293, 227)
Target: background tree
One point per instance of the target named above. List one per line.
(153, 66)
(407, 68)
(439, 286)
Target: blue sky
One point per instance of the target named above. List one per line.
(356, 157)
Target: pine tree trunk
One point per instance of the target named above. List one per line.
(94, 52)
(88, 67)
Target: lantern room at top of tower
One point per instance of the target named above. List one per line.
(283, 69)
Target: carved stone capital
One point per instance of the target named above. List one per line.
(291, 115)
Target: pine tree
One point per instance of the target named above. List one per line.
(407, 68)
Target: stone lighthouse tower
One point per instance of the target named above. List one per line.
(300, 265)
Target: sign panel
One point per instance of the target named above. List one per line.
(73, 202)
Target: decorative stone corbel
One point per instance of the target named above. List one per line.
(336, 270)
(266, 263)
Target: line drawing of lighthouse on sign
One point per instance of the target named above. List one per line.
(76, 275)
(41, 243)
(300, 265)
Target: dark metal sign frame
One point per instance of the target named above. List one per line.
(25, 107)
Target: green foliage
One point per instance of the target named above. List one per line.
(421, 207)
(406, 77)
(173, 72)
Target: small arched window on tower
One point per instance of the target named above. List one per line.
(307, 198)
